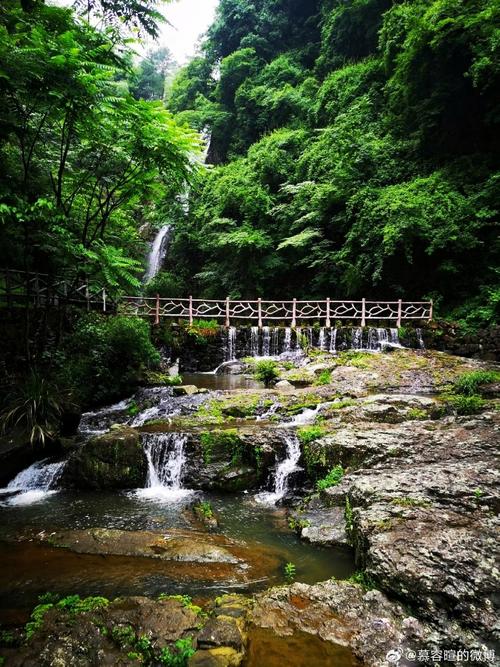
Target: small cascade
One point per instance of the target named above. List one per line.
(287, 345)
(230, 352)
(357, 339)
(308, 333)
(307, 416)
(35, 482)
(266, 341)
(420, 339)
(377, 339)
(158, 252)
(275, 342)
(283, 471)
(394, 338)
(165, 456)
(254, 342)
(333, 341)
(322, 339)
(298, 336)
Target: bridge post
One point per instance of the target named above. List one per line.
(190, 310)
(260, 312)
(363, 313)
(328, 323)
(294, 314)
(431, 311)
(157, 310)
(228, 321)
(400, 313)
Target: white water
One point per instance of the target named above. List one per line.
(158, 252)
(357, 339)
(394, 338)
(34, 483)
(298, 334)
(275, 342)
(231, 344)
(307, 416)
(322, 339)
(283, 471)
(420, 339)
(287, 346)
(166, 457)
(333, 341)
(254, 342)
(266, 341)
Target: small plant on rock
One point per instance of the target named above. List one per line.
(469, 384)
(290, 571)
(331, 479)
(266, 371)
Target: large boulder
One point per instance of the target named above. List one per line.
(114, 460)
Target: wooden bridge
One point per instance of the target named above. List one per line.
(43, 291)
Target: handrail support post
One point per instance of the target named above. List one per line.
(400, 313)
(328, 323)
(363, 313)
(294, 314)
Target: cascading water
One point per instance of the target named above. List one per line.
(377, 339)
(333, 341)
(158, 252)
(266, 341)
(298, 336)
(420, 339)
(231, 344)
(275, 344)
(35, 482)
(287, 345)
(357, 339)
(394, 338)
(254, 342)
(322, 339)
(283, 471)
(165, 456)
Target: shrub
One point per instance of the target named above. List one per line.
(266, 371)
(467, 405)
(308, 434)
(179, 656)
(331, 479)
(469, 384)
(325, 377)
(290, 571)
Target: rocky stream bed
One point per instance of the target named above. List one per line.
(366, 472)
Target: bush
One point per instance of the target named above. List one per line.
(308, 434)
(467, 405)
(106, 356)
(266, 371)
(469, 384)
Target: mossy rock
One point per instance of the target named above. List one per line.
(114, 460)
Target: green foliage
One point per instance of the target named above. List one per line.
(266, 371)
(467, 405)
(35, 406)
(290, 571)
(227, 442)
(205, 509)
(364, 580)
(333, 478)
(308, 434)
(105, 357)
(123, 635)
(179, 655)
(71, 604)
(416, 413)
(325, 377)
(349, 516)
(469, 384)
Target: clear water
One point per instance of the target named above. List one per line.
(30, 569)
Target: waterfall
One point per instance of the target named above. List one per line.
(377, 339)
(283, 471)
(322, 339)
(394, 338)
(309, 336)
(357, 339)
(165, 457)
(231, 344)
(158, 252)
(298, 334)
(35, 482)
(287, 345)
(276, 342)
(254, 342)
(420, 339)
(266, 341)
(333, 341)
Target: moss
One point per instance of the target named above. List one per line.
(221, 443)
(410, 502)
(416, 414)
(364, 580)
(333, 477)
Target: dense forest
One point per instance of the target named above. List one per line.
(354, 148)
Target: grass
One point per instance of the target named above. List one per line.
(266, 371)
(467, 405)
(308, 434)
(469, 384)
(333, 477)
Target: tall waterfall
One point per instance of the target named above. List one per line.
(394, 338)
(298, 335)
(420, 339)
(35, 482)
(254, 342)
(357, 338)
(322, 339)
(158, 252)
(287, 346)
(266, 341)
(165, 456)
(283, 471)
(231, 344)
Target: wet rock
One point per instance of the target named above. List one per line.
(284, 385)
(220, 632)
(323, 526)
(223, 656)
(114, 460)
(186, 390)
